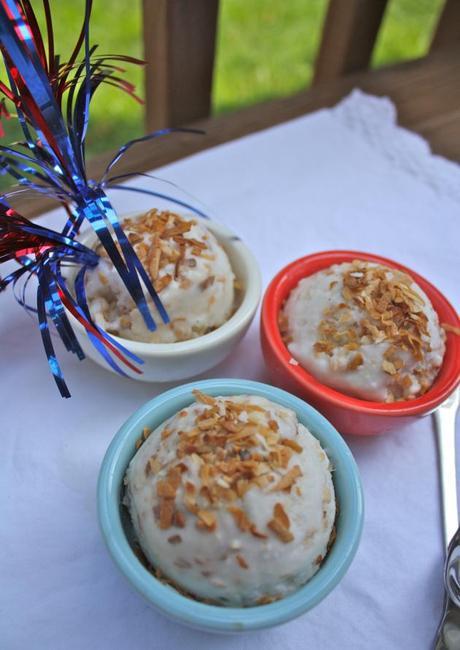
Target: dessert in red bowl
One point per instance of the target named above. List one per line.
(410, 345)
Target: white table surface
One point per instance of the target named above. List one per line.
(340, 178)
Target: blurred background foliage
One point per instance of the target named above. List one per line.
(265, 49)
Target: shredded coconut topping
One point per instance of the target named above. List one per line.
(369, 305)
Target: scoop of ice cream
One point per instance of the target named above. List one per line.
(366, 330)
(232, 500)
(189, 269)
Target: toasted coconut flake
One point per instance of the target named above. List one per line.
(252, 408)
(241, 561)
(332, 539)
(280, 514)
(323, 346)
(190, 504)
(196, 244)
(355, 362)
(388, 367)
(257, 533)
(175, 476)
(230, 495)
(292, 444)
(232, 425)
(208, 423)
(166, 489)
(166, 513)
(125, 322)
(181, 467)
(153, 466)
(179, 519)
(242, 486)
(207, 283)
(190, 488)
(133, 237)
(286, 481)
(241, 519)
(267, 599)
(406, 383)
(285, 456)
(263, 481)
(154, 262)
(162, 282)
(205, 472)
(280, 531)
(208, 519)
(166, 433)
(204, 399)
(205, 493)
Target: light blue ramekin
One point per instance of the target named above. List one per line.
(208, 617)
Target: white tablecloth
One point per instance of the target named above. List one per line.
(340, 178)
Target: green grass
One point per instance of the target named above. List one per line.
(407, 30)
(266, 48)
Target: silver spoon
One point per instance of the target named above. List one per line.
(444, 418)
(452, 570)
(448, 635)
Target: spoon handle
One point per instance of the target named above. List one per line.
(444, 418)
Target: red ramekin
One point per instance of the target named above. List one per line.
(349, 414)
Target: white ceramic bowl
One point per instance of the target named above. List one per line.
(165, 362)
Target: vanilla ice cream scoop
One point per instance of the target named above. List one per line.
(232, 500)
(189, 269)
(366, 330)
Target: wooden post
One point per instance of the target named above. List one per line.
(179, 46)
(349, 34)
(447, 32)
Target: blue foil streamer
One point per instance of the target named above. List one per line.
(51, 162)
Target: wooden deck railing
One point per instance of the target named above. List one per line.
(179, 43)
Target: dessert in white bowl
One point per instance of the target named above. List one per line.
(232, 500)
(189, 269)
(366, 330)
(163, 362)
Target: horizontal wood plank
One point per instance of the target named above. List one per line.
(426, 94)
